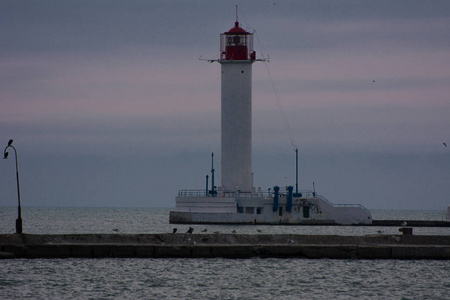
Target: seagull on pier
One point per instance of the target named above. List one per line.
(379, 231)
(404, 223)
(234, 231)
(259, 230)
(190, 230)
(174, 230)
(116, 230)
(205, 230)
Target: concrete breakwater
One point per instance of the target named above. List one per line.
(223, 245)
(414, 223)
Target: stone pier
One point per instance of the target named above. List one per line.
(223, 245)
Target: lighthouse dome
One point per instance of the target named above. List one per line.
(237, 44)
(236, 29)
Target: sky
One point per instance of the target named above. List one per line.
(112, 104)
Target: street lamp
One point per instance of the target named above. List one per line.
(19, 218)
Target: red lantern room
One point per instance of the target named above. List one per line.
(237, 44)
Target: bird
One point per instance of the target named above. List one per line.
(404, 223)
(373, 80)
(174, 230)
(291, 242)
(116, 230)
(379, 231)
(259, 230)
(10, 142)
(190, 230)
(445, 144)
(234, 231)
(205, 230)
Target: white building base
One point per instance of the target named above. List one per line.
(257, 209)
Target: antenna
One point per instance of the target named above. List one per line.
(237, 13)
(296, 170)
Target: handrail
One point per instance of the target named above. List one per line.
(192, 193)
(202, 193)
(342, 205)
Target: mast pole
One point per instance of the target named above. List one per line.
(296, 171)
(213, 189)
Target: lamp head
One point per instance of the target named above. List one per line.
(6, 155)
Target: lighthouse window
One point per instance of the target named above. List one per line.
(249, 210)
(258, 210)
(236, 40)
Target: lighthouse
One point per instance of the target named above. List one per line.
(236, 59)
(236, 201)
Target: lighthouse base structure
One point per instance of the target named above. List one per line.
(256, 208)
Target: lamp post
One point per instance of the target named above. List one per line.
(19, 209)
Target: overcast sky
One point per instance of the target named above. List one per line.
(109, 105)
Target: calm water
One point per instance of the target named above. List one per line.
(150, 220)
(211, 278)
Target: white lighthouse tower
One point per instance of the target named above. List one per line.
(236, 59)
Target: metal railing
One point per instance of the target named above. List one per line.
(342, 205)
(192, 193)
(203, 193)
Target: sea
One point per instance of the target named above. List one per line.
(218, 278)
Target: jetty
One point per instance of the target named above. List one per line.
(412, 223)
(184, 245)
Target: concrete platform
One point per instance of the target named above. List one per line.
(223, 245)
